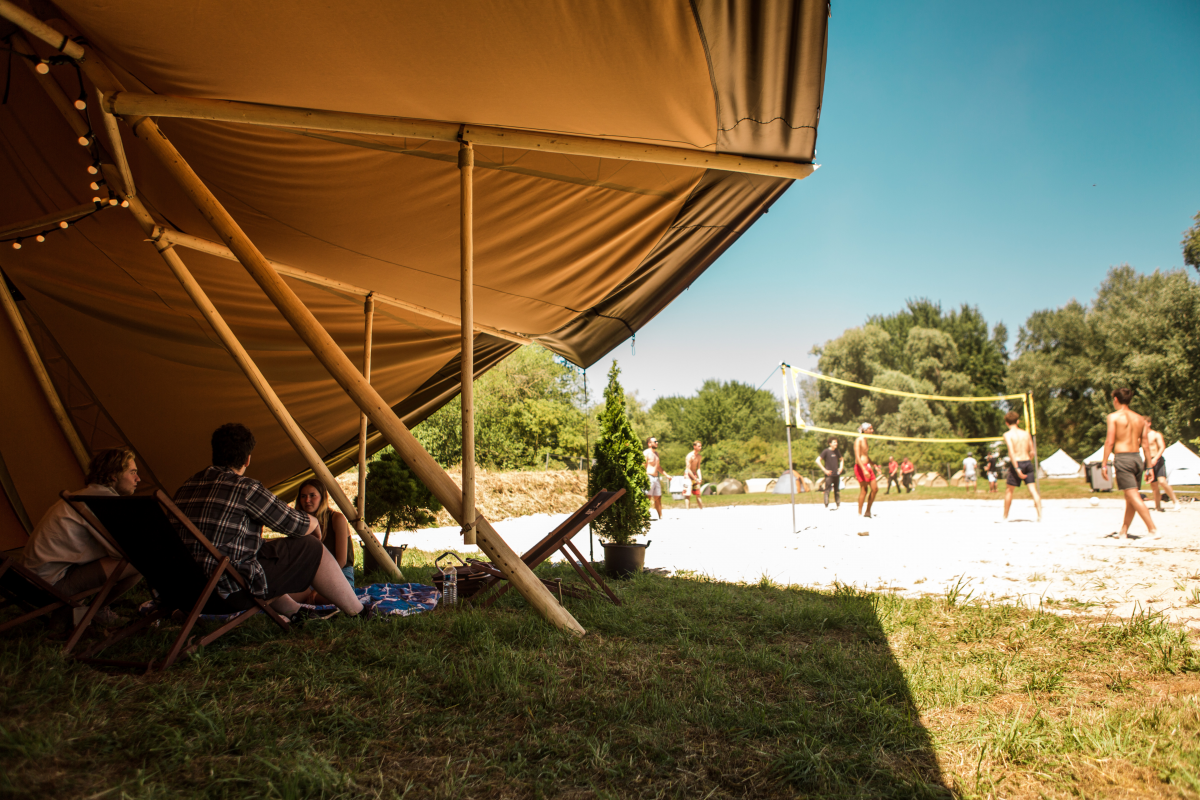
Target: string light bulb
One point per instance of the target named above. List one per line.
(84, 141)
(17, 245)
(124, 204)
(96, 200)
(79, 104)
(64, 224)
(112, 201)
(93, 170)
(95, 187)
(43, 68)
(40, 238)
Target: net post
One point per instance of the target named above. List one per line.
(787, 419)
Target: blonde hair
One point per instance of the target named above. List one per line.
(324, 512)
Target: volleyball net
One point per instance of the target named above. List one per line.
(789, 372)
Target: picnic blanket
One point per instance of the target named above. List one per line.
(388, 599)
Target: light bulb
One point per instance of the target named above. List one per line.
(80, 105)
(112, 201)
(83, 140)
(63, 224)
(41, 238)
(95, 187)
(16, 245)
(124, 204)
(43, 68)
(95, 199)
(92, 170)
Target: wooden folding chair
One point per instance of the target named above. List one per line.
(24, 588)
(558, 539)
(141, 528)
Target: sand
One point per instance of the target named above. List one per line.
(1070, 561)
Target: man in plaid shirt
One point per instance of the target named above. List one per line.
(231, 510)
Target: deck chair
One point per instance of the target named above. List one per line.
(141, 528)
(24, 588)
(559, 540)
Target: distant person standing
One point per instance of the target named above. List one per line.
(1156, 467)
(831, 463)
(692, 473)
(906, 473)
(864, 472)
(969, 477)
(655, 472)
(893, 475)
(1020, 468)
(989, 469)
(1126, 436)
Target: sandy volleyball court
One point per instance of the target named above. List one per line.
(1070, 560)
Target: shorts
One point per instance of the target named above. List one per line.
(1129, 468)
(655, 488)
(81, 578)
(991, 476)
(969, 477)
(1160, 470)
(695, 490)
(1025, 467)
(289, 565)
(863, 476)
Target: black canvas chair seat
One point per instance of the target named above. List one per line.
(558, 540)
(141, 528)
(24, 588)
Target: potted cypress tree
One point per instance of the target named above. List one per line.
(620, 465)
(396, 500)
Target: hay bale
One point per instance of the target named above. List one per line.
(731, 486)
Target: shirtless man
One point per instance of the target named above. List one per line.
(1126, 436)
(1020, 468)
(863, 472)
(655, 472)
(692, 473)
(1156, 467)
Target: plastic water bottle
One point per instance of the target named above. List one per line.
(450, 586)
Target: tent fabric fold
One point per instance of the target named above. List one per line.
(575, 252)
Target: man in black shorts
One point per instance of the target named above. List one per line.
(830, 462)
(231, 510)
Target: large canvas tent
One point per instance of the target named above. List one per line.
(1060, 465)
(1183, 466)
(618, 149)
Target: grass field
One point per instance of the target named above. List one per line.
(691, 689)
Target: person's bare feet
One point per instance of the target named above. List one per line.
(1124, 534)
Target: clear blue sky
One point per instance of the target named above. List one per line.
(1003, 155)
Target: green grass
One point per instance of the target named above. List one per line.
(691, 689)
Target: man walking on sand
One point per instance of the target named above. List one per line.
(1020, 468)
(1156, 467)
(655, 471)
(692, 473)
(831, 463)
(863, 472)
(893, 475)
(1126, 436)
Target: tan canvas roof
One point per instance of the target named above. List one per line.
(574, 252)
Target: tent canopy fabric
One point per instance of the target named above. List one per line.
(1183, 466)
(573, 252)
(1060, 465)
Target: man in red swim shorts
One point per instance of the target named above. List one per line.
(863, 472)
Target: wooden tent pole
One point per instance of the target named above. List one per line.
(466, 240)
(200, 298)
(351, 380)
(221, 251)
(160, 105)
(46, 221)
(51, 87)
(368, 338)
(43, 378)
(24, 19)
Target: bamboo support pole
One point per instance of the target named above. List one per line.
(52, 89)
(350, 379)
(43, 378)
(44, 222)
(466, 242)
(41, 30)
(368, 340)
(221, 251)
(239, 354)
(157, 105)
(118, 151)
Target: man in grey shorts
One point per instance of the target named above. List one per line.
(1126, 437)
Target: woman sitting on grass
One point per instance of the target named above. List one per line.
(334, 530)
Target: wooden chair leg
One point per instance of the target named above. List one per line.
(194, 614)
(12, 623)
(587, 564)
(121, 635)
(94, 607)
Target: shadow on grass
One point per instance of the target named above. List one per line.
(690, 689)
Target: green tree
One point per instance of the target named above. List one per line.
(396, 497)
(1191, 244)
(721, 410)
(619, 465)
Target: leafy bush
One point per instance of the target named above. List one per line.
(619, 465)
(396, 497)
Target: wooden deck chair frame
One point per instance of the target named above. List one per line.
(181, 646)
(559, 540)
(56, 599)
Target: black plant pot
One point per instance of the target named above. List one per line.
(624, 560)
(371, 565)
